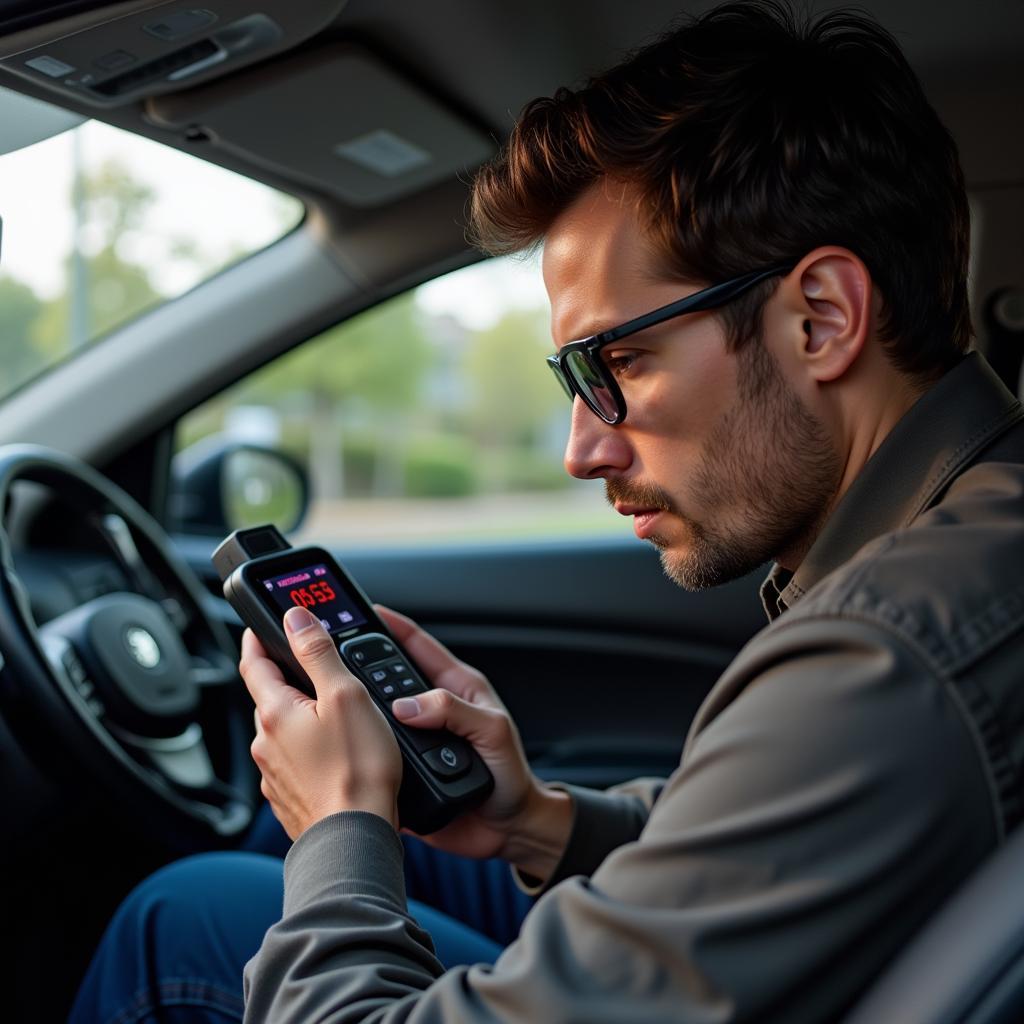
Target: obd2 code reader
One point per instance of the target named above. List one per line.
(263, 576)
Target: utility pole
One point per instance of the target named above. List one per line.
(79, 290)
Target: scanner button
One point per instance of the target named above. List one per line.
(378, 675)
(389, 690)
(448, 761)
(398, 667)
(424, 739)
(367, 650)
(410, 685)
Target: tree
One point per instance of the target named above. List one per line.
(513, 391)
(366, 373)
(20, 308)
(114, 206)
(377, 358)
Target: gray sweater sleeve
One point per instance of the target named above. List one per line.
(602, 821)
(818, 816)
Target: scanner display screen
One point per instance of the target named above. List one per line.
(315, 587)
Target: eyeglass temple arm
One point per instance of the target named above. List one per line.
(709, 298)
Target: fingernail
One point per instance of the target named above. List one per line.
(298, 619)
(406, 707)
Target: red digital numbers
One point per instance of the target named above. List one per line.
(315, 593)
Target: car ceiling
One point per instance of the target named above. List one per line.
(273, 115)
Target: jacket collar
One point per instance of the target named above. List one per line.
(935, 440)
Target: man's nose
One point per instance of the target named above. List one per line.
(595, 448)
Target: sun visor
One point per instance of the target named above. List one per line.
(338, 118)
(109, 58)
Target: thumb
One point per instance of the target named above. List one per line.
(313, 648)
(485, 728)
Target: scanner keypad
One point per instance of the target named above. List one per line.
(387, 675)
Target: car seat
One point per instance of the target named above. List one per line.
(967, 965)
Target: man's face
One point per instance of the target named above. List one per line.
(719, 462)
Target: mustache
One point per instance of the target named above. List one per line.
(641, 494)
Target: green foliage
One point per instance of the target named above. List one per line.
(38, 333)
(20, 308)
(359, 379)
(392, 403)
(440, 467)
(378, 357)
(115, 202)
(361, 458)
(115, 290)
(207, 419)
(525, 470)
(512, 390)
(107, 281)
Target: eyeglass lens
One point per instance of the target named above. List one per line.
(560, 375)
(592, 387)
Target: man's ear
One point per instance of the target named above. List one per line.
(830, 291)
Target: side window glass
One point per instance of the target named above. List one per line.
(429, 418)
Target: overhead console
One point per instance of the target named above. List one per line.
(335, 115)
(123, 52)
(276, 89)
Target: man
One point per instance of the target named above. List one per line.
(760, 233)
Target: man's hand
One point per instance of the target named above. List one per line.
(522, 821)
(334, 753)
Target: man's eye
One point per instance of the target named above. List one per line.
(620, 362)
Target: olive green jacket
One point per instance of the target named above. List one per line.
(861, 755)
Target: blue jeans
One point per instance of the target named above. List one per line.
(175, 948)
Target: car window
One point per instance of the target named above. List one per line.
(100, 225)
(430, 417)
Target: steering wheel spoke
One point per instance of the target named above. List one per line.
(207, 675)
(183, 759)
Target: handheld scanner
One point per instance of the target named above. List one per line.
(263, 576)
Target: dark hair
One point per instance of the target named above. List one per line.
(752, 136)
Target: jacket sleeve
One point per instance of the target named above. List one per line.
(603, 820)
(827, 802)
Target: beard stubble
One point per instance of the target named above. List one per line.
(768, 473)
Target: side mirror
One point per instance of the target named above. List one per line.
(218, 486)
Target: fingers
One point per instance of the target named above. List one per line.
(252, 646)
(431, 655)
(261, 676)
(440, 665)
(487, 729)
(253, 653)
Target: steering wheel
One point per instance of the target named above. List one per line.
(137, 690)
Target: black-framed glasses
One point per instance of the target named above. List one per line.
(581, 371)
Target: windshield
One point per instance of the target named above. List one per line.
(100, 225)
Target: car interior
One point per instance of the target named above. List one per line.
(224, 390)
